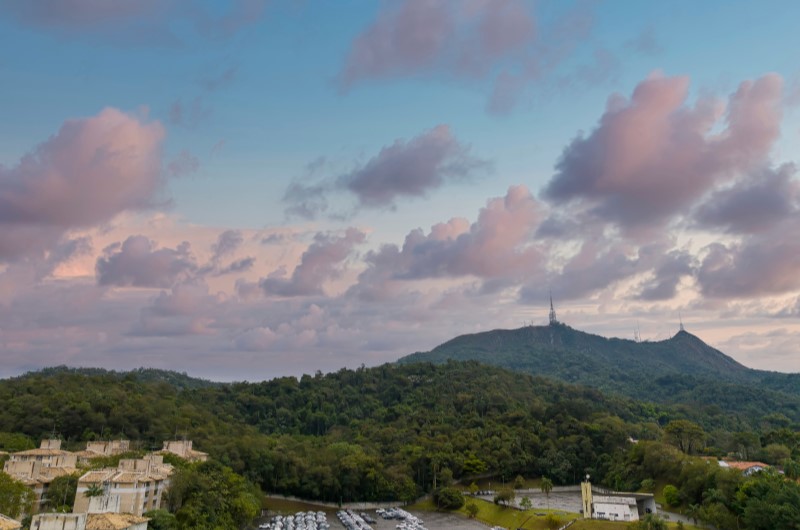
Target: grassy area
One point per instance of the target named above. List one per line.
(496, 515)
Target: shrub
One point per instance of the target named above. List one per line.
(448, 498)
(671, 495)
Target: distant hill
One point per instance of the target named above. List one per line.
(177, 380)
(681, 369)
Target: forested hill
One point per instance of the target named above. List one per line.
(373, 433)
(146, 375)
(682, 369)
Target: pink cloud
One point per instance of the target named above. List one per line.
(411, 168)
(497, 245)
(187, 309)
(762, 264)
(138, 263)
(322, 261)
(406, 168)
(88, 172)
(754, 203)
(460, 38)
(653, 156)
(140, 22)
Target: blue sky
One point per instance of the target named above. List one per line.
(432, 147)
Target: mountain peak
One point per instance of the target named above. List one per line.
(612, 364)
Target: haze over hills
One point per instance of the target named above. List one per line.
(681, 369)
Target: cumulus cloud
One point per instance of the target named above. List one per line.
(460, 38)
(138, 263)
(187, 309)
(471, 40)
(322, 261)
(409, 168)
(497, 245)
(762, 264)
(667, 276)
(754, 203)
(91, 170)
(597, 265)
(653, 156)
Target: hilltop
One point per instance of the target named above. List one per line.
(681, 369)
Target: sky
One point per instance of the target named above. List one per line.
(247, 189)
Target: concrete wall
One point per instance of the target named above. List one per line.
(59, 521)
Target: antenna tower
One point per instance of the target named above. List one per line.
(553, 319)
(680, 319)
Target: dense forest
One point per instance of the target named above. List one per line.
(397, 431)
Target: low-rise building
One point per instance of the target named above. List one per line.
(102, 448)
(139, 483)
(91, 521)
(49, 454)
(747, 468)
(38, 468)
(614, 505)
(183, 449)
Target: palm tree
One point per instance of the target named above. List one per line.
(546, 486)
(95, 490)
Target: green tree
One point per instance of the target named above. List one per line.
(519, 482)
(211, 496)
(15, 497)
(791, 468)
(525, 503)
(648, 485)
(61, 493)
(546, 485)
(505, 496)
(94, 490)
(14, 442)
(671, 495)
(161, 520)
(448, 498)
(472, 510)
(473, 489)
(775, 453)
(685, 435)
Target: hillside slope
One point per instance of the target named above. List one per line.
(681, 369)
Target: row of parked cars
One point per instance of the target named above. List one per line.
(355, 521)
(407, 521)
(298, 521)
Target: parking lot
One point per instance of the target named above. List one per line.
(429, 521)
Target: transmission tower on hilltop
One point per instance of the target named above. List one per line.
(553, 319)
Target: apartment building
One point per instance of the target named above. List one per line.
(37, 468)
(91, 521)
(139, 483)
(183, 449)
(102, 448)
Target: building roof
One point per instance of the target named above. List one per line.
(42, 452)
(7, 523)
(113, 521)
(742, 466)
(98, 475)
